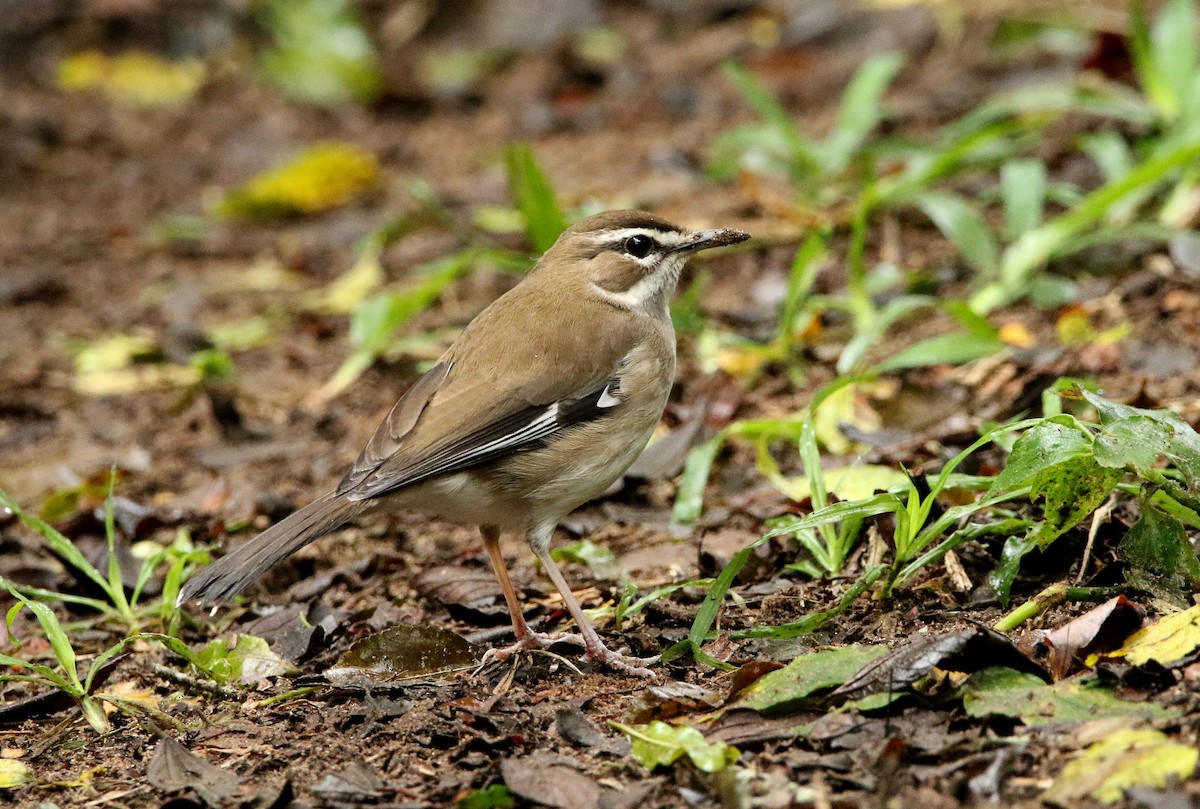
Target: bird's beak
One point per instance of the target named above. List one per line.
(704, 239)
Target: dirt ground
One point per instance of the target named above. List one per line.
(82, 182)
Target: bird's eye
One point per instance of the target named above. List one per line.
(639, 246)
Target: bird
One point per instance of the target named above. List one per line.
(540, 404)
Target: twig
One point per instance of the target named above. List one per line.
(194, 683)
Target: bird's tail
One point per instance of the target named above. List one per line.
(233, 571)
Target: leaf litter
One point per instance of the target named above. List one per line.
(459, 739)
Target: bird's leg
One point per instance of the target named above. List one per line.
(526, 637)
(597, 652)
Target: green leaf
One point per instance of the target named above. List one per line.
(601, 561)
(1047, 444)
(64, 652)
(1035, 248)
(1134, 443)
(790, 688)
(801, 151)
(1183, 449)
(689, 499)
(1071, 490)
(534, 196)
(860, 112)
(59, 544)
(321, 53)
(1023, 192)
(497, 796)
(945, 349)
(658, 744)
(1160, 556)
(1006, 692)
(963, 226)
(247, 660)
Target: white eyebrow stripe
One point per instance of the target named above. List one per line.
(666, 238)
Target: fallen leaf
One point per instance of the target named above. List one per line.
(1100, 629)
(1128, 758)
(403, 651)
(1005, 692)
(174, 768)
(244, 659)
(13, 773)
(658, 744)
(546, 780)
(965, 650)
(323, 177)
(789, 688)
(1166, 641)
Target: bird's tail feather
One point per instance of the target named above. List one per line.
(235, 570)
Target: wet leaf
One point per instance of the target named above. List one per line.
(13, 773)
(964, 650)
(321, 177)
(245, 659)
(136, 78)
(1007, 692)
(1126, 759)
(658, 744)
(405, 651)
(1161, 557)
(547, 781)
(789, 688)
(1165, 641)
(174, 768)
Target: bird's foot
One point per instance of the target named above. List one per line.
(597, 652)
(533, 642)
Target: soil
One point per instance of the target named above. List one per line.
(86, 186)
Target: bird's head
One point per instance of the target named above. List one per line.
(629, 259)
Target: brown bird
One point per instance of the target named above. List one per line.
(542, 402)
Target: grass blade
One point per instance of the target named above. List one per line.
(1023, 192)
(860, 112)
(534, 197)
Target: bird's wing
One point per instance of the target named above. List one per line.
(472, 408)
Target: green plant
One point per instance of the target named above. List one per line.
(127, 610)
(67, 678)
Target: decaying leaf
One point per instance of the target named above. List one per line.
(548, 780)
(1006, 692)
(13, 773)
(174, 768)
(965, 650)
(1166, 641)
(1128, 758)
(1097, 630)
(322, 177)
(136, 78)
(401, 652)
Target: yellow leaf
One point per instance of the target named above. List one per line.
(137, 78)
(322, 177)
(842, 408)
(1015, 334)
(1164, 641)
(13, 773)
(1127, 758)
(137, 379)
